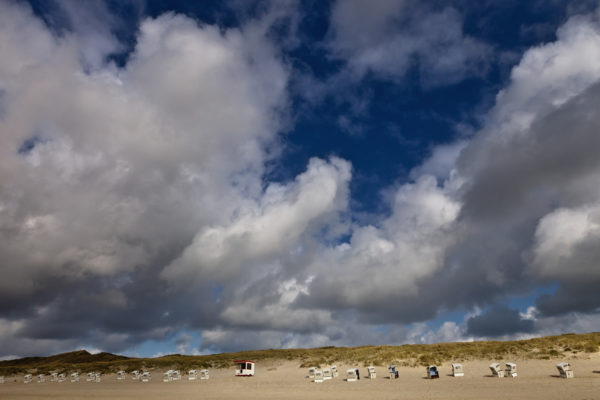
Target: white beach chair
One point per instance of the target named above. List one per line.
(565, 370)
(192, 375)
(1, 379)
(511, 370)
(27, 378)
(311, 372)
(121, 375)
(41, 378)
(204, 374)
(168, 376)
(98, 377)
(351, 375)
(75, 377)
(54, 377)
(145, 377)
(334, 371)
(135, 375)
(318, 376)
(327, 374)
(62, 377)
(91, 377)
(371, 374)
(176, 375)
(457, 370)
(496, 370)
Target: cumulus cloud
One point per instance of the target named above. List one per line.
(115, 179)
(532, 174)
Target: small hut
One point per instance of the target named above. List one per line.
(457, 370)
(565, 370)
(244, 367)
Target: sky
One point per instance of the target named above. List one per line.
(203, 177)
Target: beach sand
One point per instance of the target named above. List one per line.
(538, 379)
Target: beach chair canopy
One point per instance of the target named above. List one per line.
(565, 366)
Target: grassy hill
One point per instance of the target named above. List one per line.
(551, 347)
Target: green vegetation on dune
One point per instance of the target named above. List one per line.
(550, 347)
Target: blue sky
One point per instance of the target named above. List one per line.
(199, 177)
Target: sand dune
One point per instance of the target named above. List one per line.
(538, 379)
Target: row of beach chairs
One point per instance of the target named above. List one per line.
(142, 376)
(317, 375)
(56, 377)
(193, 374)
(509, 370)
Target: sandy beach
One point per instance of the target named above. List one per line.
(537, 379)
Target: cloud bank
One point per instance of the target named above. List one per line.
(135, 203)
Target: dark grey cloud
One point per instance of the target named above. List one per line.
(499, 321)
(551, 166)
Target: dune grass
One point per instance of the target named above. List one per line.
(413, 355)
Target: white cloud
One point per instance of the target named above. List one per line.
(565, 244)
(549, 75)
(125, 166)
(266, 228)
(386, 263)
